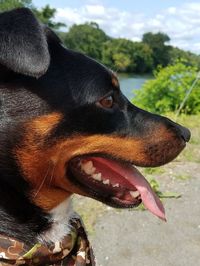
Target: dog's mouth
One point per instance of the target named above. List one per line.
(114, 182)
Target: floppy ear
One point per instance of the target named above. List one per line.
(23, 45)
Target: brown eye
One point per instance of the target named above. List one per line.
(107, 102)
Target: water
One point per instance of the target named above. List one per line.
(131, 82)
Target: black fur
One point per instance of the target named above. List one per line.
(70, 83)
(23, 46)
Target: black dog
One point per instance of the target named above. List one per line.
(66, 128)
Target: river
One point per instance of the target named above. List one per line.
(131, 82)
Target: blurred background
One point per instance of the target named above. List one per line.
(154, 47)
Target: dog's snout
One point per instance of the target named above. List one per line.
(185, 133)
(181, 131)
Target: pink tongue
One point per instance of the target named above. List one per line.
(149, 198)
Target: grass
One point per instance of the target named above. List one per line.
(192, 122)
(152, 171)
(190, 154)
(192, 151)
(182, 177)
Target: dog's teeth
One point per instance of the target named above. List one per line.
(90, 171)
(116, 185)
(97, 176)
(88, 164)
(134, 194)
(106, 182)
(88, 167)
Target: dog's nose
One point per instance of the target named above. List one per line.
(185, 133)
(181, 131)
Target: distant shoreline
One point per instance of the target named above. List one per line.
(131, 81)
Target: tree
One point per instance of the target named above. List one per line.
(166, 92)
(142, 55)
(121, 61)
(157, 42)
(45, 15)
(87, 38)
(127, 56)
(117, 53)
(187, 57)
(11, 4)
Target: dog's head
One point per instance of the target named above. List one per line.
(68, 126)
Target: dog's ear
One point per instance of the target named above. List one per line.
(23, 45)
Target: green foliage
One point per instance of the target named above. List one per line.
(45, 15)
(143, 57)
(127, 56)
(153, 171)
(124, 55)
(119, 54)
(11, 4)
(87, 38)
(161, 51)
(166, 92)
(189, 58)
(183, 177)
(156, 188)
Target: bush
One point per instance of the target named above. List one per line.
(166, 92)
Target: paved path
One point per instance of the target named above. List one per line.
(129, 238)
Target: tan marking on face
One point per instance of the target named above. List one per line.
(45, 167)
(115, 81)
(48, 197)
(44, 124)
(42, 171)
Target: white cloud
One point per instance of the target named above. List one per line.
(95, 10)
(181, 23)
(172, 10)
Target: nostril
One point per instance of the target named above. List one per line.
(185, 134)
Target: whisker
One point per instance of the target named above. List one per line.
(43, 180)
(51, 178)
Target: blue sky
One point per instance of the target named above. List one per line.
(180, 19)
(147, 6)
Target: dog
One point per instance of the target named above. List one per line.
(67, 128)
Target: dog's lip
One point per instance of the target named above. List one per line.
(123, 180)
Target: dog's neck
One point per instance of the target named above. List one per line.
(60, 217)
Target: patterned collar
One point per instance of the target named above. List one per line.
(73, 250)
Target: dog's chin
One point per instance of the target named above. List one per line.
(114, 182)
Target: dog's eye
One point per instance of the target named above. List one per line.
(107, 102)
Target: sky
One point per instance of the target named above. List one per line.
(130, 19)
